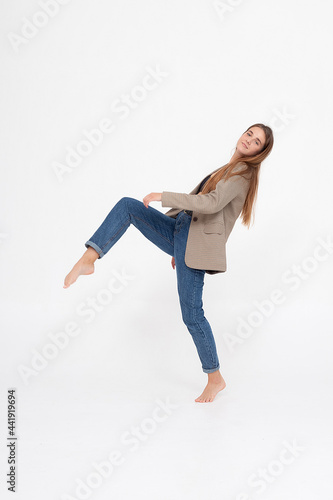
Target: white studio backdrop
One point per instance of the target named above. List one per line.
(107, 99)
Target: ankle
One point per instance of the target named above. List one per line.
(89, 256)
(215, 377)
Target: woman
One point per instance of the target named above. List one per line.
(194, 232)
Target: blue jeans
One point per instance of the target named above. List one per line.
(170, 235)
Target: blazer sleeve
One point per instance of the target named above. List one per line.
(209, 203)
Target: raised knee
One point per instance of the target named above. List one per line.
(127, 200)
(124, 199)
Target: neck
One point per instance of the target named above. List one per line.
(235, 156)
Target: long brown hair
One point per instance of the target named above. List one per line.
(251, 170)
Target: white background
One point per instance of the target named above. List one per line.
(227, 67)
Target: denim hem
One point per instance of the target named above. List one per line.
(95, 247)
(211, 370)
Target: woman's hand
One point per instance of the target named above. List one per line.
(151, 197)
(173, 263)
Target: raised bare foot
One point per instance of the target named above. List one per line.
(212, 388)
(83, 266)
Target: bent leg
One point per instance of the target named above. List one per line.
(154, 225)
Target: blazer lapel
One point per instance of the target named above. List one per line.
(198, 185)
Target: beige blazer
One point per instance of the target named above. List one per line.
(214, 215)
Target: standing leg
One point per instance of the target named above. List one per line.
(153, 224)
(190, 284)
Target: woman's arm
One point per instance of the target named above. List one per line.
(151, 197)
(214, 201)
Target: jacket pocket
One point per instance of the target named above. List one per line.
(214, 227)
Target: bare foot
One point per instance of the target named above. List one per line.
(84, 266)
(215, 384)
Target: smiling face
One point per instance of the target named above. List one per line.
(251, 142)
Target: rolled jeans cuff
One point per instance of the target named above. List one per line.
(211, 370)
(95, 247)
